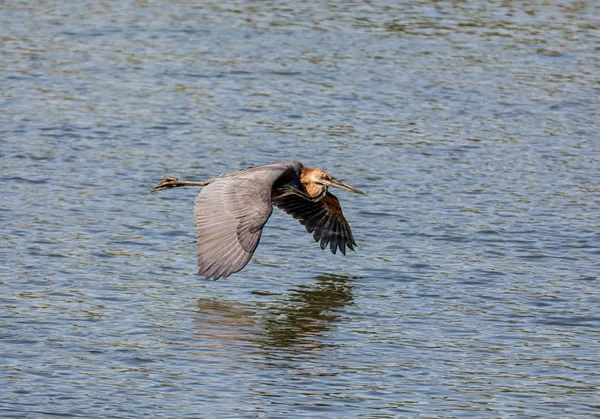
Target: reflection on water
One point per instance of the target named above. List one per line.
(295, 321)
(224, 323)
(307, 312)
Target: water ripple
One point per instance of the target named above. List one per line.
(473, 289)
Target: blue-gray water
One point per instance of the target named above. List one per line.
(472, 126)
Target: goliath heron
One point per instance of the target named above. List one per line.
(232, 209)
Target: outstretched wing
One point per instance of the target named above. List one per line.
(230, 214)
(323, 218)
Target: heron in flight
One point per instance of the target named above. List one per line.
(232, 209)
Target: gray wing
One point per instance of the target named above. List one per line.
(230, 214)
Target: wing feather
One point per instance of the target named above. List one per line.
(323, 218)
(325, 230)
(230, 214)
(333, 244)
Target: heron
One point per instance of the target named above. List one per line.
(232, 209)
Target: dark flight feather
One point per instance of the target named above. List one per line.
(323, 218)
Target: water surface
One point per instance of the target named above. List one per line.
(472, 126)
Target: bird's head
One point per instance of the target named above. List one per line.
(316, 182)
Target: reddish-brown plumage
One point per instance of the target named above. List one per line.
(333, 205)
(308, 180)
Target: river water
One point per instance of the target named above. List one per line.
(472, 127)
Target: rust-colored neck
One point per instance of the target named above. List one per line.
(311, 187)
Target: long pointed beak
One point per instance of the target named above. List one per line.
(339, 184)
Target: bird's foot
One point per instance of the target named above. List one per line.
(167, 183)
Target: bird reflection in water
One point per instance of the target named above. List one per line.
(308, 312)
(224, 323)
(295, 323)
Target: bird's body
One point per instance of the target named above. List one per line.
(232, 209)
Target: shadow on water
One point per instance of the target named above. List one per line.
(295, 321)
